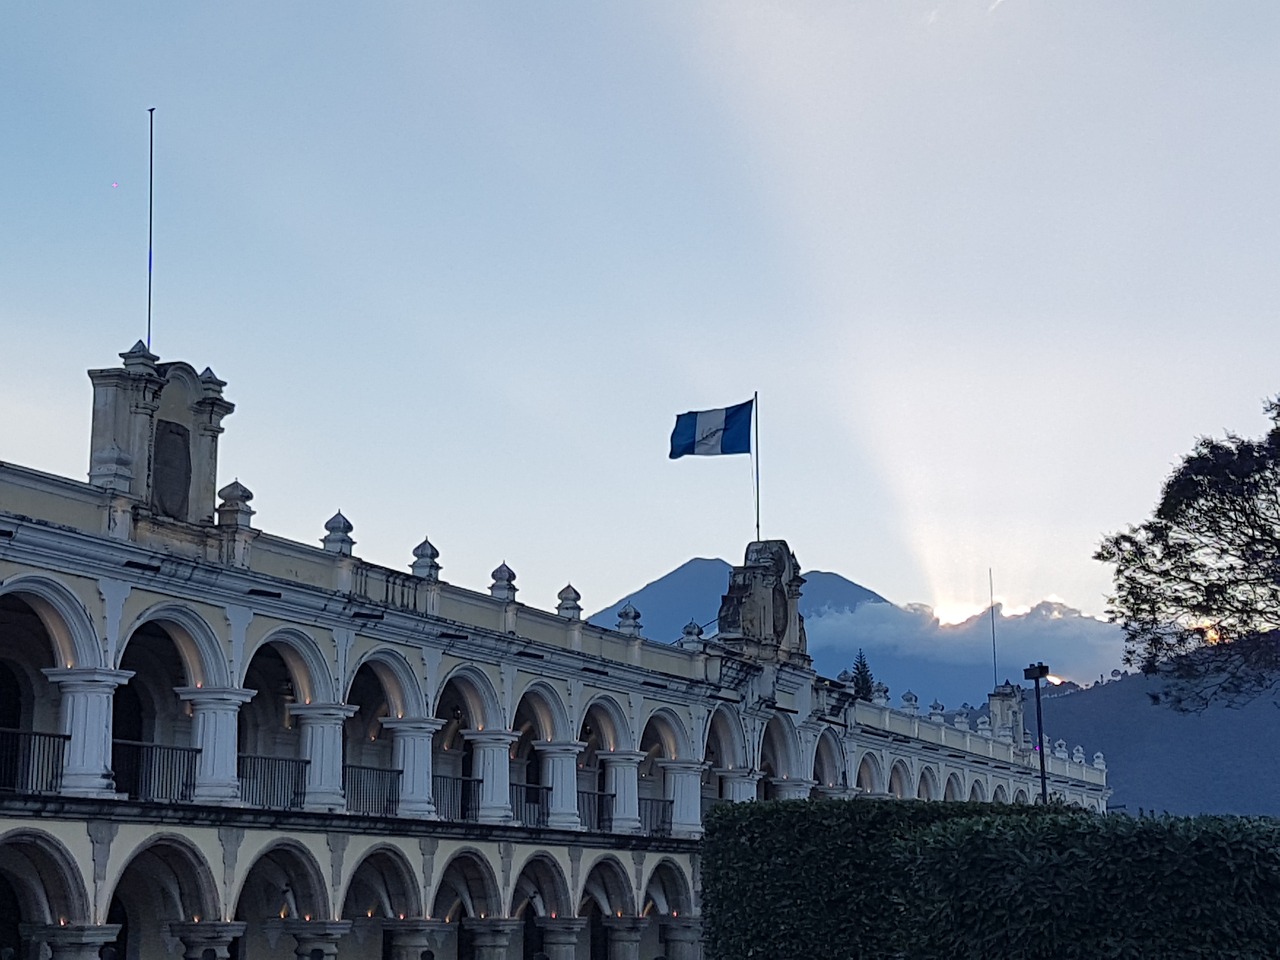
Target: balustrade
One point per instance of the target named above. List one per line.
(31, 762)
(153, 771)
(595, 809)
(529, 803)
(277, 783)
(456, 798)
(373, 791)
(655, 816)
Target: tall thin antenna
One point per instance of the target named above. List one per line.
(755, 449)
(995, 670)
(151, 196)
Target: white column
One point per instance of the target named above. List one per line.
(313, 935)
(86, 717)
(560, 772)
(197, 937)
(491, 938)
(681, 938)
(560, 936)
(739, 784)
(491, 760)
(215, 711)
(411, 740)
(76, 942)
(322, 746)
(684, 789)
(409, 938)
(624, 936)
(788, 789)
(622, 779)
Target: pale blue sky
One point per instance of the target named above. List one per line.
(991, 266)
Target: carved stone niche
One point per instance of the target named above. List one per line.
(759, 615)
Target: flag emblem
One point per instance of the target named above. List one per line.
(711, 433)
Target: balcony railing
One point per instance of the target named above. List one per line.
(277, 783)
(153, 771)
(372, 791)
(529, 803)
(710, 803)
(595, 810)
(31, 762)
(655, 817)
(457, 798)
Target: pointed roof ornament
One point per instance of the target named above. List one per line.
(692, 632)
(569, 605)
(424, 561)
(338, 539)
(504, 583)
(629, 621)
(234, 510)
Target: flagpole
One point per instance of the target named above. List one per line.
(755, 453)
(151, 194)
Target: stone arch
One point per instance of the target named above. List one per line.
(399, 684)
(954, 789)
(203, 658)
(927, 789)
(44, 875)
(307, 665)
(870, 776)
(547, 706)
(725, 738)
(671, 731)
(284, 880)
(780, 746)
(1021, 796)
(65, 619)
(1000, 794)
(606, 884)
(609, 723)
(382, 884)
(900, 780)
(466, 888)
(667, 891)
(478, 694)
(177, 874)
(977, 791)
(828, 761)
(541, 886)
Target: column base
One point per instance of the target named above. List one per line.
(564, 821)
(222, 791)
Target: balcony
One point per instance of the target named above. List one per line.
(595, 810)
(153, 771)
(31, 762)
(529, 803)
(457, 798)
(276, 783)
(372, 791)
(655, 817)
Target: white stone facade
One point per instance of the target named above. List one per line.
(224, 743)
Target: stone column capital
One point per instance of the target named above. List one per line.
(413, 726)
(561, 927)
(322, 712)
(681, 929)
(215, 696)
(682, 766)
(625, 928)
(622, 757)
(490, 738)
(199, 936)
(559, 748)
(89, 679)
(73, 941)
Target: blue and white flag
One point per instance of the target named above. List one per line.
(710, 433)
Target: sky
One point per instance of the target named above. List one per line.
(991, 266)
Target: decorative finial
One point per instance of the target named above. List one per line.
(504, 583)
(338, 538)
(692, 632)
(568, 605)
(424, 561)
(629, 621)
(234, 511)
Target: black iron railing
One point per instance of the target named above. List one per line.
(153, 771)
(31, 762)
(456, 798)
(529, 803)
(373, 791)
(595, 810)
(655, 817)
(278, 783)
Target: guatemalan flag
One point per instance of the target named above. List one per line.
(709, 433)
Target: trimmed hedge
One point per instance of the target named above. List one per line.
(841, 880)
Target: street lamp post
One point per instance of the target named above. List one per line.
(1037, 672)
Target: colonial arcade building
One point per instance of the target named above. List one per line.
(219, 743)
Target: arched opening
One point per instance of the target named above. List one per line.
(899, 778)
(927, 789)
(271, 767)
(284, 883)
(370, 778)
(540, 892)
(829, 776)
(31, 749)
(659, 741)
(778, 765)
(603, 731)
(724, 759)
(977, 792)
(666, 899)
(539, 719)
(39, 885)
(467, 705)
(1020, 796)
(383, 887)
(870, 782)
(999, 794)
(153, 754)
(467, 889)
(954, 789)
(605, 893)
(167, 881)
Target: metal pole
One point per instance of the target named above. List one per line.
(755, 447)
(1044, 785)
(151, 193)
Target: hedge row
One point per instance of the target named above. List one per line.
(840, 880)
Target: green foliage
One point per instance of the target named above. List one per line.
(1196, 588)
(841, 880)
(863, 681)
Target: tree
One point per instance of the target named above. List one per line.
(862, 678)
(1197, 587)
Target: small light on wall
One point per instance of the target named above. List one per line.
(199, 685)
(370, 913)
(553, 914)
(196, 918)
(62, 921)
(307, 917)
(402, 916)
(675, 913)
